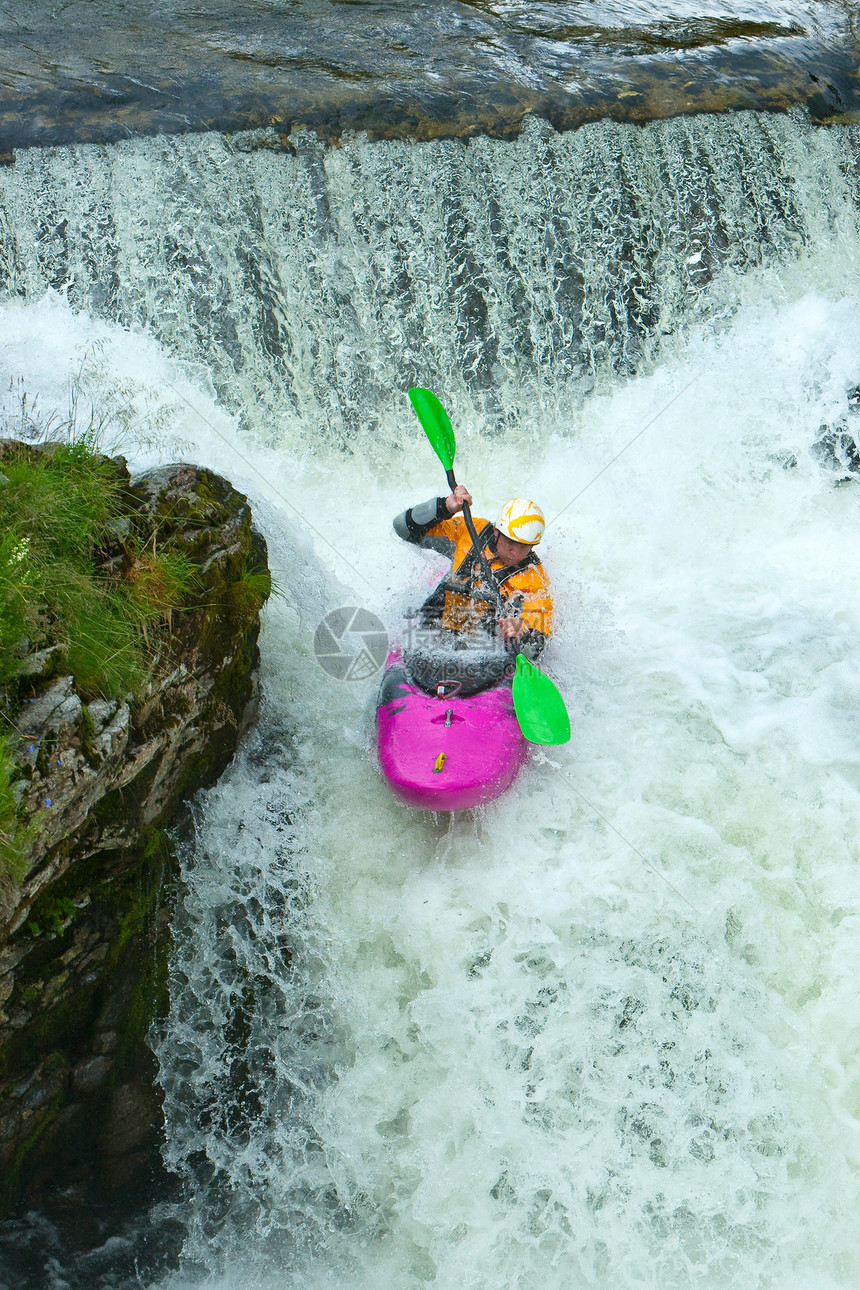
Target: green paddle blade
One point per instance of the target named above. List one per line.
(436, 423)
(539, 706)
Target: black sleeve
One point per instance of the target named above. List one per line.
(414, 524)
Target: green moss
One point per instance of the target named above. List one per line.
(54, 917)
(158, 582)
(20, 1169)
(87, 733)
(12, 851)
(247, 594)
(149, 999)
(155, 843)
(24, 1150)
(125, 895)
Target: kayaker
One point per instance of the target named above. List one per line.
(460, 602)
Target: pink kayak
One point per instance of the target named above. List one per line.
(443, 751)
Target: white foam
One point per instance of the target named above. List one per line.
(603, 1032)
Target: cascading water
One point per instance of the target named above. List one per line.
(512, 275)
(603, 1032)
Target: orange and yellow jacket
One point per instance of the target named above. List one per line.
(461, 601)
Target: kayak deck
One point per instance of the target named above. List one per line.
(443, 752)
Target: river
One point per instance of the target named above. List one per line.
(100, 71)
(604, 1031)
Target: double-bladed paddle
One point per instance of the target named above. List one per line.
(539, 706)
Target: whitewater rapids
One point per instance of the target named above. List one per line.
(603, 1032)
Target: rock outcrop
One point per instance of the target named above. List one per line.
(84, 930)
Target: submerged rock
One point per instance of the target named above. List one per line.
(84, 926)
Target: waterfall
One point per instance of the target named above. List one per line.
(312, 286)
(602, 1031)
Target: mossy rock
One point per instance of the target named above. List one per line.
(83, 959)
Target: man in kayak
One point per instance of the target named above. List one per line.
(461, 603)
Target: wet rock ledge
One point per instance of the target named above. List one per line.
(84, 926)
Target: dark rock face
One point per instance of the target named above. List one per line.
(84, 935)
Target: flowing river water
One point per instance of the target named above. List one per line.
(98, 70)
(604, 1031)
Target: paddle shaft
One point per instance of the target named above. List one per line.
(539, 708)
(482, 559)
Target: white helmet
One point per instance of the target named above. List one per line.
(521, 521)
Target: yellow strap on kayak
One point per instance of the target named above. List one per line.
(440, 764)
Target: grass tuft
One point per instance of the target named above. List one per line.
(158, 581)
(58, 506)
(55, 504)
(12, 840)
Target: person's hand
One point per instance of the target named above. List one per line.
(512, 629)
(454, 503)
